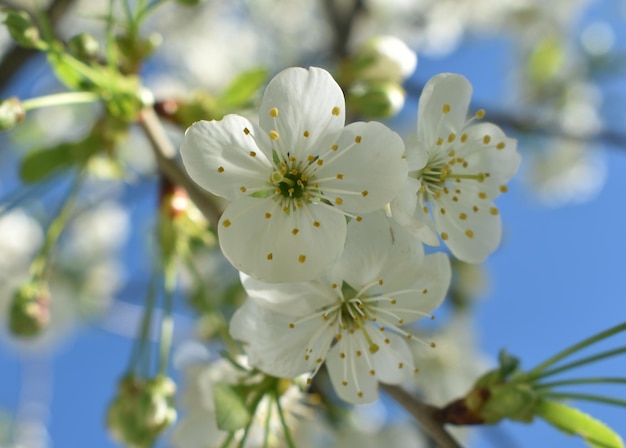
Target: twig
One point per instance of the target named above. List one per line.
(166, 159)
(14, 59)
(424, 414)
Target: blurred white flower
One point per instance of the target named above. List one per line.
(566, 172)
(198, 427)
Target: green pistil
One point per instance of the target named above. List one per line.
(290, 185)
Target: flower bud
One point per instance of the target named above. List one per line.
(29, 313)
(376, 99)
(11, 113)
(142, 410)
(384, 58)
(84, 47)
(22, 29)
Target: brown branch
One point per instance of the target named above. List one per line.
(424, 414)
(165, 155)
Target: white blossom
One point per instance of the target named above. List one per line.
(352, 317)
(456, 169)
(293, 178)
(198, 427)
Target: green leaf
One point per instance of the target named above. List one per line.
(574, 422)
(243, 88)
(232, 413)
(40, 163)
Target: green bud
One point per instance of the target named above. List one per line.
(142, 410)
(84, 47)
(23, 30)
(513, 401)
(11, 113)
(383, 58)
(29, 313)
(376, 99)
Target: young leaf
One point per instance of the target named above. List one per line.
(241, 90)
(231, 411)
(574, 422)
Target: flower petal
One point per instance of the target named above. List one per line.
(393, 362)
(274, 346)
(221, 158)
(424, 293)
(368, 169)
(365, 253)
(350, 374)
(261, 240)
(403, 205)
(471, 228)
(293, 299)
(302, 106)
(444, 92)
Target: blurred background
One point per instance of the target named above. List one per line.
(551, 73)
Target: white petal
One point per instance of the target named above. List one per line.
(221, 158)
(393, 361)
(365, 254)
(403, 205)
(367, 171)
(430, 283)
(306, 101)
(405, 256)
(276, 348)
(473, 238)
(489, 150)
(421, 225)
(444, 89)
(292, 247)
(350, 374)
(293, 299)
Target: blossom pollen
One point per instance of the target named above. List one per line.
(274, 135)
(358, 139)
(220, 169)
(226, 223)
(336, 111)
(270, 256)
(274, 112)
(301, 258)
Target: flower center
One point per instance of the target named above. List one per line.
(290, 184)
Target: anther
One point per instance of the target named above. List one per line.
(226, 223)
(274, 112)
(220, 169)
(274, 135)
(302, 258)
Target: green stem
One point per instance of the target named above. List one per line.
(253, 408)
(139, 350)
(599, 380)
(268, 419)
(55, 228)
(167, 322)
(60, 99)
(222, 328)
(585, 397)
(283, 421)
(574, 348)
(226, 443)
(581, 362)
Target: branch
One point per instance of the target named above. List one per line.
(423, 413)
(165, 154)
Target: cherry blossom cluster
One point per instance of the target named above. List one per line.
(327, 221)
